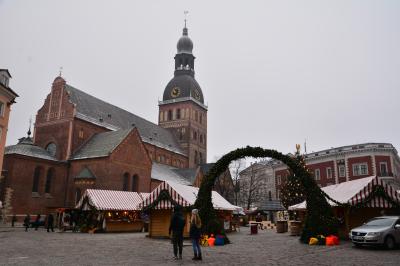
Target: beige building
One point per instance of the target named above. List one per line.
(7, 98)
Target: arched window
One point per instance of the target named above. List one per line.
(201, 138)
(201, 118)
(195, 157)
(125, 184)
(196, 116)
(269, 195)
(36, 178)
(169, 115)
(77, 195)
(51, 148)
(201, 157)
(195, 135)
(49, 178)
(135, 183)
(178, 113)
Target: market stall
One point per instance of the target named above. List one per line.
(364, 198)
(162, 199)
(111, 211)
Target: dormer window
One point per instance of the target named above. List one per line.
(51, 148)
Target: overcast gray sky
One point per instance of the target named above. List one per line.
(273, 73)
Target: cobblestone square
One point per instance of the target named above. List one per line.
(266, 248)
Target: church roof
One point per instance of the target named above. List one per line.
(96, 111)
(188, 87)
(167, 173)
(101, 144)
(189, 174)
(26, 147)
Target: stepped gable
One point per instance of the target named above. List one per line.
(96, 111)
(101, 144)
(26, 147)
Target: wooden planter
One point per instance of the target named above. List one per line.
(281, 226)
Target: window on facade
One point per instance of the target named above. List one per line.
(161, 116)
(360, 169)
(195, 157)
(78, 194)
(36, 178)
(2, 108)
(51, 148)
(328, 172)
(49, 178)
(158, 158)
(201, 138)
(201, 119)
(180, 133)
(162, 158)
(269, 195)
(317, 174)
(342, 171)
(196, 115)
(125, 182)
(195, 135)
(135, 183)
(81, 133)
(178, 113)
(201, 157)
(278, 179)
(383, 168)
(169, 115)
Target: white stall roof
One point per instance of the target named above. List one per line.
(184, 196)
(355, 191)
(111, 200)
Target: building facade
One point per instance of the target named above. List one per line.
(81, 142)
(337, 165)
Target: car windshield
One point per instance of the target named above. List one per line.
(380, 222)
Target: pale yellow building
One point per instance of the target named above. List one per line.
(7, 98)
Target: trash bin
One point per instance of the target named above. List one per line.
(253, 229)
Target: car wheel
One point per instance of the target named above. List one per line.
(389, 242)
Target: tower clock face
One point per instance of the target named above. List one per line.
(175, 92)
(197, 95)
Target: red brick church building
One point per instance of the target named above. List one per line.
(80, 142)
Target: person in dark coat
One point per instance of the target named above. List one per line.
(37, 221)
(176, 227)
(195, 233)
(27, 220)
(13, 220)
(50, 222)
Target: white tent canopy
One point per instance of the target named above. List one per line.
(184, 196)
(111, 200)
(356, 191)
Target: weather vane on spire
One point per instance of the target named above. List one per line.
(185, 13)
(30, 124)
(61, 69)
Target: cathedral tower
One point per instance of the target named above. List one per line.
(182, 109)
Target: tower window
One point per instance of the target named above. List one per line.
(201, 138)
(169, 115)
(81, 133)
(195, 157)
(51, 148)
(196, 116)
(195, 135)
(178, 113)
(201, 119)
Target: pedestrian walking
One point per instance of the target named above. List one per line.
(195, 233)
(37, 221)
(176, 227)
(50, 222)
(259, 221)
(13, 220)
(27, 220)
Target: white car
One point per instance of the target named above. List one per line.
(384, 230)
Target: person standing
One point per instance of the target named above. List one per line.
(50, 222)
(259, 221)
(176, 227)
(37, 221)
(13, 220)
(27, 220)
(195, 232)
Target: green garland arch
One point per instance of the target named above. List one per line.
(319, 219)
